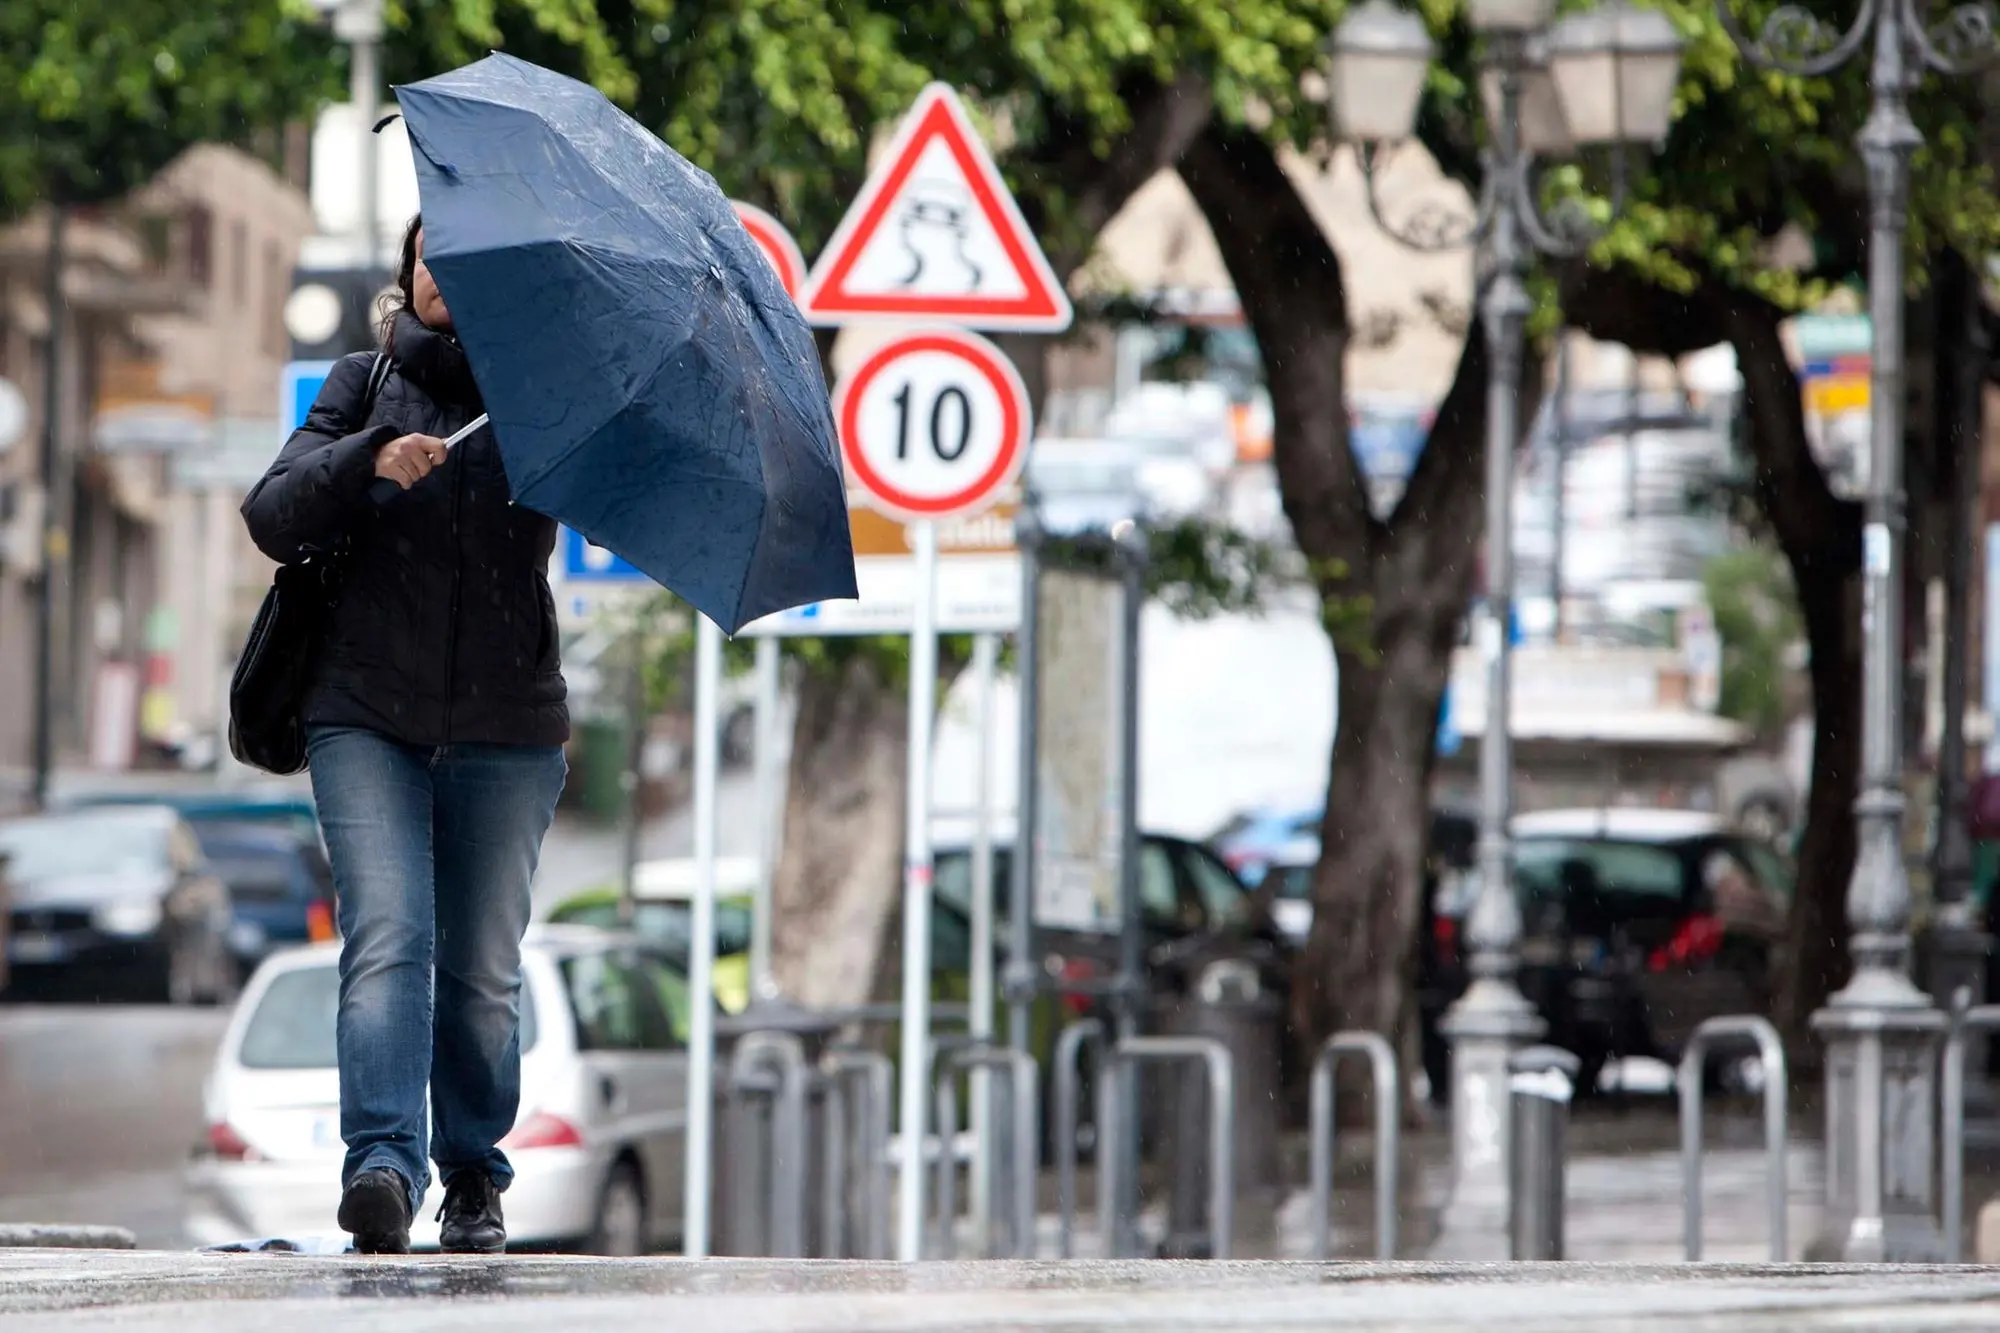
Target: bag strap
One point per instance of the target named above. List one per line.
(378, 375)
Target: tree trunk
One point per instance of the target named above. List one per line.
(1392, 594)
(834, 893)
(1820, 535)
(1821, 538)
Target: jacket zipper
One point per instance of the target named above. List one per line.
(457, 465)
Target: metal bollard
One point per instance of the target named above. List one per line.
(1966, 1018)
(783, 1055)
(1541, 1081)
(1069, 1048)
(871, 1077)
(1025, 1086)
(1214, 1056)
(1388, 1128)
(1771, 1052)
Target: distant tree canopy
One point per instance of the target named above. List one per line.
(99, 95)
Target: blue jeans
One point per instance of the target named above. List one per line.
(433, 852)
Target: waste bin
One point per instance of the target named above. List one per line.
(1227, 1002)
(602, 756)
(1540, 1082)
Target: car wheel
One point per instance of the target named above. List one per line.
(621, 1215)
(1590, 1069)
(183, 976)
(225, 978)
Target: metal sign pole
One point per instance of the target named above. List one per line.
(1020, 975)
(917, 900)
(701, 948)
(631, 779)
(1131, 927)
(985, 665)
(763, 986)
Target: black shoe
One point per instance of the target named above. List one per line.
(471, 1216)
(375, 1210)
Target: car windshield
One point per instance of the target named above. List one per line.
(1770, 867)
(1295, 883)
(667, 924)
(951, 881)
(262, 877)
(83, 844)
(1545, 868)
(292, 1026)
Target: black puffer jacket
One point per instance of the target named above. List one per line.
(444, 631)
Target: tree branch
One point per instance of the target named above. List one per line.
(1166, 117)
(1791, 487)
(1288, 279)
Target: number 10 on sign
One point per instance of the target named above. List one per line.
(934, 425)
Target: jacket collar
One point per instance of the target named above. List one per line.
(432, 358)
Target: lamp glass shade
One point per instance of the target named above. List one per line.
(1615, 70)
(1544, 131)
(1511, 15)
(1380, 57)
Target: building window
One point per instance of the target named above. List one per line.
(277, 283)
(239, 265)
(200, 234)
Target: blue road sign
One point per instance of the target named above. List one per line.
(1449, 738)
(584, 563)
(298, 385)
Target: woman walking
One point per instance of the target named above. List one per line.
(435, 720)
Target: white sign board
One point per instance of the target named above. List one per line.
(976, 594)
(1079, 833)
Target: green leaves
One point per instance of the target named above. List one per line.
(98, 95)
(1757, 618)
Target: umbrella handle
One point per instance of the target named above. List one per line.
(383, 490)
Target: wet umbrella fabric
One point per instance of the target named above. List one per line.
(650, 383)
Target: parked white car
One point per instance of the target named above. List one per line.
(598, 1148)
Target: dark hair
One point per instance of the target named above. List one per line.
(404, 296)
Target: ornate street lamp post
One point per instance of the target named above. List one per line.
(1881, 1031)
(1605, 77)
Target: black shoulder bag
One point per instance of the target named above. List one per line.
(267, 693)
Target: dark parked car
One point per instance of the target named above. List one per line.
(1188, 900)
(117, 901)
(280, 886)
(1637, 925)
(272, 809)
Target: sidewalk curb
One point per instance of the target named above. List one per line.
(32, 1236)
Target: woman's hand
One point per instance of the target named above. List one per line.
(409, 460)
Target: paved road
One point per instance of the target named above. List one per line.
(44, 1292)
(99, 1107)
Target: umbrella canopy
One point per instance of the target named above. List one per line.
(650, 383)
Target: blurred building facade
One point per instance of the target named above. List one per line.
(172, 345)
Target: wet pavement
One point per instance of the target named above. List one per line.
(100, 1106)
(85, 1292)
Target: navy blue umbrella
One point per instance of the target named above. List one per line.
(650, 383)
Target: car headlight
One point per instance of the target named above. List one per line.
(138, 917)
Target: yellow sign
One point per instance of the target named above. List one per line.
(1835, 396)
(988, 533)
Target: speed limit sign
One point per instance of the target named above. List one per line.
(934, 425)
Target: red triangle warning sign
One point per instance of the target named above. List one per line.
(935, 235)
